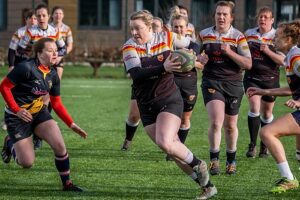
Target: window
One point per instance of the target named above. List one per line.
(104, 14)
(202, 13)
(287, 10)
(3, 14)
(156, 7)
(250, 14)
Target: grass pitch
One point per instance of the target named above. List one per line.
(100, 106)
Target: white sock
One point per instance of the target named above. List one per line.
(285, 170)
(189, 158)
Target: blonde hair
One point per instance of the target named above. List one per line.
(178, 17)
(264, 9)
(291, 29)
(143, 15)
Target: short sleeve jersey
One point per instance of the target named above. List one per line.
(65, 33)
(220, 66)
(33, 34)
(32, 82)
(17, 37)
(151, 54)
(263, 67)
(292, 69)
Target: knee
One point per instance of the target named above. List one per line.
(230, 129)
(215, 126)
(25, 163)
(134, 119)
(264, 133)
(165, 146)
(60, 148)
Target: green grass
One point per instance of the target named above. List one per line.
(100, 106)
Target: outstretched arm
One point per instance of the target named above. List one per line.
(63, 114)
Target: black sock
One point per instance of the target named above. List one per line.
(194, 162)
(214, 155)
(262, 145)
(130, 131)
(253, 125)
(209, 184)
(62, 164)
(230, 156)
(10, 145)
(182, 134)
(49, 107)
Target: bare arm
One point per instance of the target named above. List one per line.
(276, 57)
(242, 61)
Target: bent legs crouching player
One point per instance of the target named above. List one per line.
(23, 90)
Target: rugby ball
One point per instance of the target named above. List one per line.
(186, 58)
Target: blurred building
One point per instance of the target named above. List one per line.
(104, 23)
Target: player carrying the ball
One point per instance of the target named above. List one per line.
(147, 58)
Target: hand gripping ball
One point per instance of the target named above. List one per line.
(186, 58)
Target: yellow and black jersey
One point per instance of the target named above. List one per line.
(263, 67)
(292, 69)
(33, 81)
(220, 66)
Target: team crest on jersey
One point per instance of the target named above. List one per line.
(211, 90)
(50, 84)
(160, 58)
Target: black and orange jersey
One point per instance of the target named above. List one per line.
(263, 67)
(33, 34)
(220, 66)
(152, 54)
(292, 69)
(32, 81)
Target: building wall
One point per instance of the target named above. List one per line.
(14, 19)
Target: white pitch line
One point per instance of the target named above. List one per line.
(77, 96)
(97, 86)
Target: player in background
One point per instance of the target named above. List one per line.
(65, 32)
(222, 85)
(263, 74)
(13, 57)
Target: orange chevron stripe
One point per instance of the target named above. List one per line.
(294, 60)
(228, 40)
(242, 40)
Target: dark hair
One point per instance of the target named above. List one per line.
(29, 14)
(56, 8)
(181, 7)
(40, 45)
(41, 6)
